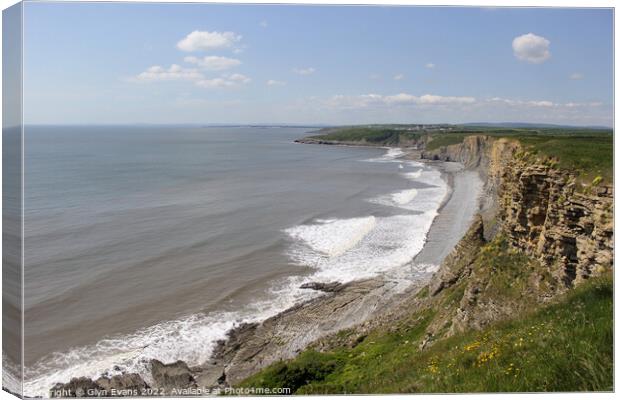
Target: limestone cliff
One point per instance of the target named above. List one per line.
(539, 207)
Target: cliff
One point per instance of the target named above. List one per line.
(542, 210)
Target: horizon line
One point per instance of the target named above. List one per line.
(302, 125)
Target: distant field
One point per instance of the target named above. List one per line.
(589, 152)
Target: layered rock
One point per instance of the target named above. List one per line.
(172, 377)
(251, 347)
(539, 208)
(568, 231)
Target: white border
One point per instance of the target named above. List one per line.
(477, 3)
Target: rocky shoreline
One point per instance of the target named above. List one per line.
(251, 347)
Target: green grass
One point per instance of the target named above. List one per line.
(566, 346)
(589, 156)
(445, 139)
(374, 135)
(370, 135)
(508, 274)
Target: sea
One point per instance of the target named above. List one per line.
(149, 242)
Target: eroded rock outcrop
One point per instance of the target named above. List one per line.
(457, 264)
(545, 216)
(540, 208)
(123, 385)
(251, 347)
(172, 377)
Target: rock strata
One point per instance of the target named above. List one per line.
(541, 209)
(124, 383)
(171, 377)
(251, 347)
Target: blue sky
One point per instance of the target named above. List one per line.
(198, 63)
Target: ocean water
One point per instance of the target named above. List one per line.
(152, 242)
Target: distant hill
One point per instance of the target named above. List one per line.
(531, 125)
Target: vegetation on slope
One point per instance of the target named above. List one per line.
(564, 346)
(567, 346)
(589, 156)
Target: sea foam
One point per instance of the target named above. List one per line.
(393, 242)
(369, 245)
(333, 237)
(191, 339)
(336, 249)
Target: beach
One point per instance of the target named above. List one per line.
(252, 347)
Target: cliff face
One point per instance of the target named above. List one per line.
(538, 208)
(543, 215)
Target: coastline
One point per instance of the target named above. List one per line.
(250, 347)
(456, 213)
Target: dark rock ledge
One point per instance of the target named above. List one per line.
(327, 287)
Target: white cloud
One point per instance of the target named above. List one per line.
(178, 73)
(213, 63)
(205, 41)
(304, 71)
(174, 73)
(215, 83)
(399, 77)
(403, 99)
(543, 103)
(225, 81)
(372, 100)
(264, 24)
(531, 48)
(589, 104)
(576, 76)
(527, 103)
(430, 65)
(433, 99)
(273, 82)
(239, 78)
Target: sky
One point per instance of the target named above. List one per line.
(125, 63)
